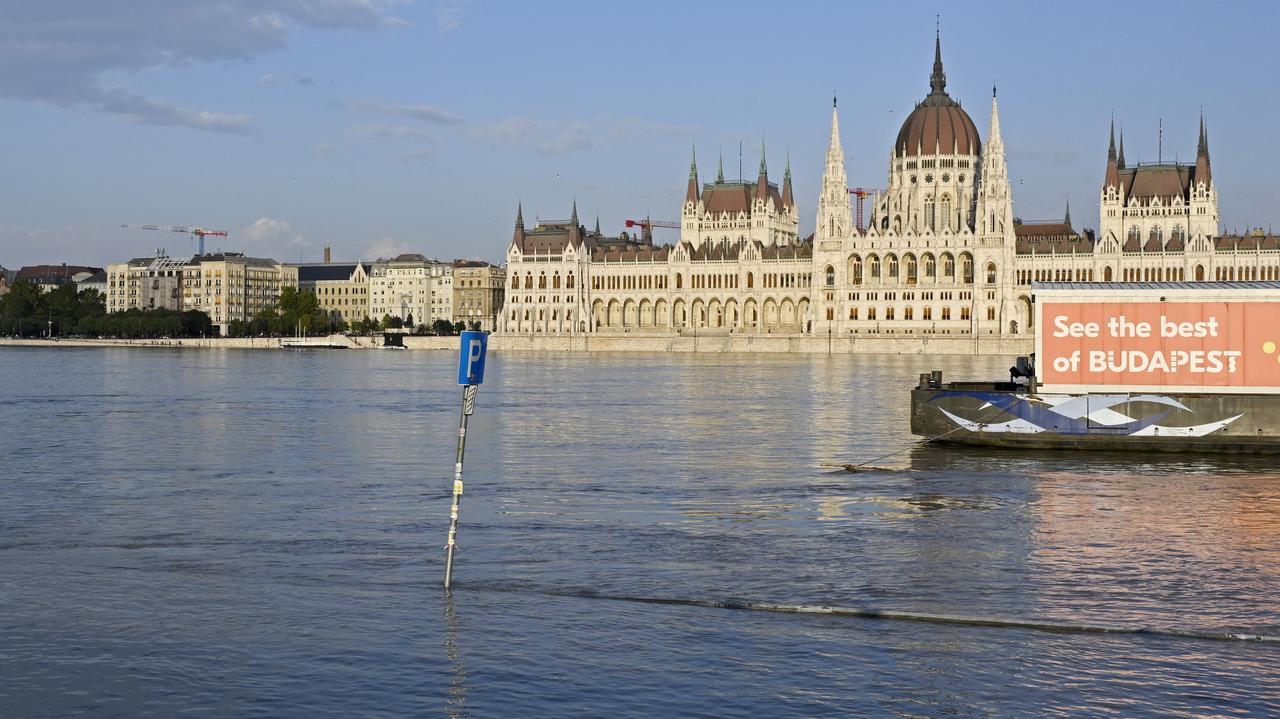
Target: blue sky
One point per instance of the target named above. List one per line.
(378, 126)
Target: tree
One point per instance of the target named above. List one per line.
(459, 327)
(441, 328)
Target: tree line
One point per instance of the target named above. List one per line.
(25, 311)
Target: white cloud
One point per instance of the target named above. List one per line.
(554, 137)
(385, 248)
(59, 52)
(448, 17)
(266, 229)
(323, 149)
(394, 132)
(421, 112)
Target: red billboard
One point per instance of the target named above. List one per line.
(1160, 344)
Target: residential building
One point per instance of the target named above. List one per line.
(51, 277)
(342, 290)
(145, 283)
(229, 286)
(406, 286)
(96, 281)
(477, 293)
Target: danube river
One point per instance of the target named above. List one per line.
(260, 533)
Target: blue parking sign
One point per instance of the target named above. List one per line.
(471, 357)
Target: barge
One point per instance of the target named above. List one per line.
(1172, 367)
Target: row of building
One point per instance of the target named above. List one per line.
(230, 286)
(942, 251)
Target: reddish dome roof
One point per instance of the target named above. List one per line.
(938, 125)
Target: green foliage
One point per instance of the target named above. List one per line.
(26, 311)
(459, 328)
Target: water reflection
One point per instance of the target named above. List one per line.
(456, 703)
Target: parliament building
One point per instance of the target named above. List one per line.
(942, 251)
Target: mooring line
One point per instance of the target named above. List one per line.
(890, 615)
(912, 445)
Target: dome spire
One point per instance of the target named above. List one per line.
(938, 80)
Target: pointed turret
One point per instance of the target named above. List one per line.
(835, 216)
(691, 192)
(762, 182)
(1120, 160)
(995, 200)
(788, 200)
(1203, 172)
(517, 239)
(1113, 167)
(598, 225)
(575, 229)
(938, 79)
(1066, 220)
(720, 169)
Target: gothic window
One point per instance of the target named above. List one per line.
(966, 266)
(891, 267)
(929, 212)
(679, 281)
(831, 276)
(555, 281)
(1134, 233)
(855, 270)
(948, 267)
(991, 273)
(930, 267)
(569, 281)
(946, 212)
(528, 280)
(1157, 234)
(874, 263)
(751, 280)
(910, 261)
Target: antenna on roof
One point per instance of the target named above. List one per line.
(1160, 144)
(739, 160)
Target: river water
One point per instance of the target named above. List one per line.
(260, 533)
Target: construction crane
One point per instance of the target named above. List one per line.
(650, 224)
(197, 232)
(862, 193)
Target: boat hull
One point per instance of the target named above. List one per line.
(998, 415)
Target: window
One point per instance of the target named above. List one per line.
(831, 277)
(991, 273)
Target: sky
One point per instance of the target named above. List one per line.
(385, 126)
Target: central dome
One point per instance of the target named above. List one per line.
(938, 125)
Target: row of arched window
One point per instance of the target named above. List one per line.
(542, 281)
(909, 270)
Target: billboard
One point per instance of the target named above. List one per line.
(1218, 346)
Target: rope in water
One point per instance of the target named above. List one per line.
(910, 446)
(889, 615)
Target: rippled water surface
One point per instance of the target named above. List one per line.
(260, 533)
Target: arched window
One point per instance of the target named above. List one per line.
(679, 281)
(1134, 233)
(1106, 274)
(966, 267)
(891, 266)
(1157, 235)
(991, 273)
(528, 280)
(873, 263)
(751, 280)
(910, 261)
(855, 270)
(568, 282)
(930, 267)
(946, 212)
(948, 266)
(555, 281)
(831, 276)
(929, 211)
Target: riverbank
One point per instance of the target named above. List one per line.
(795, 344)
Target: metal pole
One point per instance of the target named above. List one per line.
(468, 406)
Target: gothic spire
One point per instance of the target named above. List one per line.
(597, 225)
(1203, 172)
(1067, 219)
(1120, 160)
(938, 80)
(1113, 165)
(762, 184)
(788, 200)
(573, 219)
(720, 169)
(691, 192)
(519, 215)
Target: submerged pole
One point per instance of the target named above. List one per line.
(470, 376)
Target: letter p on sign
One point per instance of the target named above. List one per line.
(471, 357)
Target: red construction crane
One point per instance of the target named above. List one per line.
(198, 232)
(862, 193)
(650, 224)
